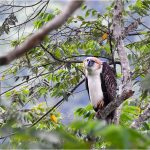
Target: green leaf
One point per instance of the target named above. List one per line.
(87, 13)
(83, 7)
(25, 91)
(139, 3)
(80, 18)
(123, 138)
(49, 17)
(89, 107)
(94, 12)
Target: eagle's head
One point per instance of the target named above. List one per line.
(92, 65)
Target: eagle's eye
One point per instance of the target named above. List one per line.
(93, 61)
(90, 60)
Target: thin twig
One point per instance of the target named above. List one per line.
(29, 80)
(58, 103)
(6, 136)
(60, 60)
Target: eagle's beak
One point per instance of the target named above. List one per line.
(90, 63)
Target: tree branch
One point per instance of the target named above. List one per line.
(131, 27)
(143, 117)
(24, 6)
(6, 136)
(117, 31)
(37, 37)
(75, 61)
(58, 103)
(35, 77)
(102, 114)
(60, 60)
(118, 36)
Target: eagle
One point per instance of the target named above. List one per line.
(100, 83)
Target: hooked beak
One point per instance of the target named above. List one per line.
(90, 63)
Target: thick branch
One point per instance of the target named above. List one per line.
(143, 117)
(102, 114)
(37, 37)
(119, 34)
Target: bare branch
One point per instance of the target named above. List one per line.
(37, 37)
(131, 27)
(143, 117)
(140, 22)
(102, 114)
(6, 136)
(8, 5)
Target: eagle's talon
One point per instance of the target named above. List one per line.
(100, 104)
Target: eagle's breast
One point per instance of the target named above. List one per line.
(95, 89)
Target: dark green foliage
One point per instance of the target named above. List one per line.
(55, 70)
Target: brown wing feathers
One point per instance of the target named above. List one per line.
(109, 84)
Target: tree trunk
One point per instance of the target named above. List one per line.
(118, 30)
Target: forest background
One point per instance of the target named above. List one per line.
(44, 103)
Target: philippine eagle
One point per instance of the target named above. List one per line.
(100, 84)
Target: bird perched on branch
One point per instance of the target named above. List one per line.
(100, 83)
